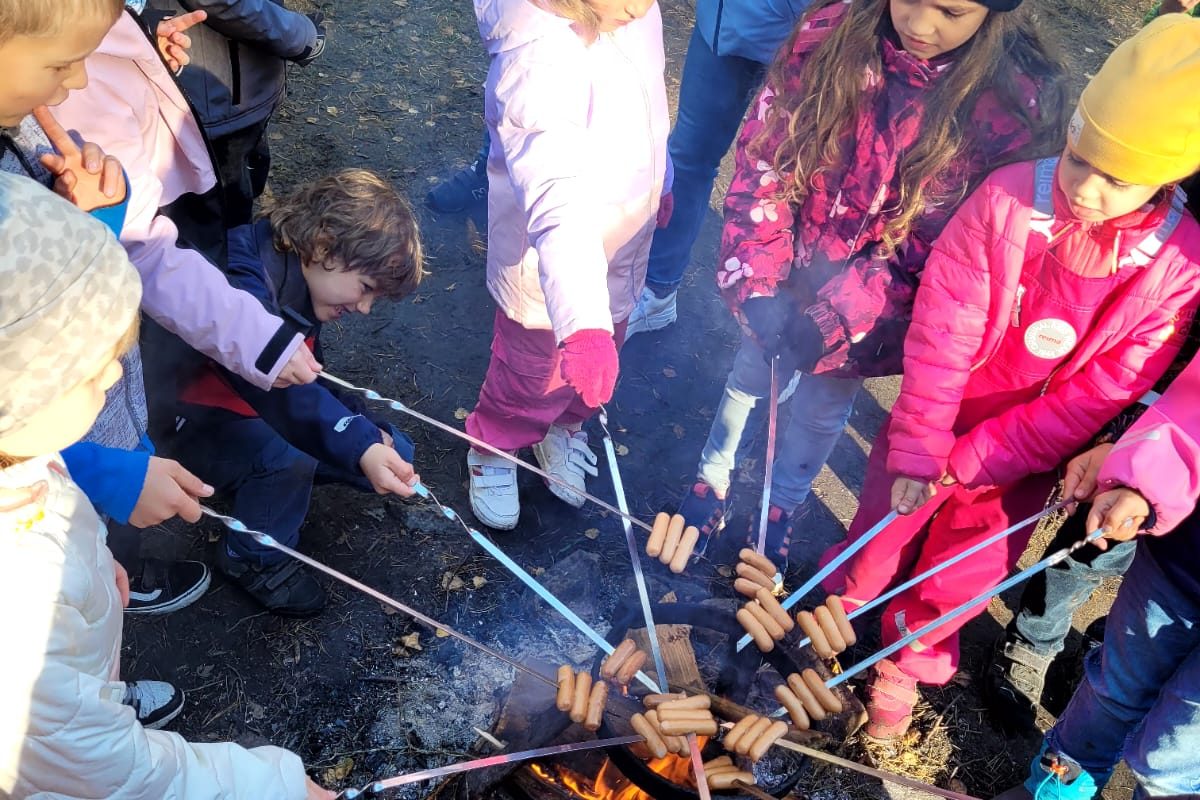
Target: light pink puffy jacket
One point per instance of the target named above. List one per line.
(134, 110)
(577, 165)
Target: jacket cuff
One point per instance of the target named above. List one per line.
(277, 353)
(829, 323)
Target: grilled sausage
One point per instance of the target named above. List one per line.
(595, 706)
(799, 687)
(615, 659)
(838, 609)
(674, 533)
(583, 689)
(753, 627)
(829, 627)
(631, 667)
(687, 543)
(795, 708)
(770, 736)
(812, 629)
(654, 742)
(825, 696)
(658, 535)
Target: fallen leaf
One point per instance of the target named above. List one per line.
(451, 582)
(479, 581)
(669, 372)
(311, 120)
(622, 450)
(339, 771)
(441, 634)
(391, 612)
(678, 430)
(461, 413)
(536, 571)
(591, 533)
(412, 641)
(331, 110)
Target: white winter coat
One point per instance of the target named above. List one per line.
(63, 730)
(577, 164)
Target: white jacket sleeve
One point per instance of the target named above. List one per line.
(542, 106)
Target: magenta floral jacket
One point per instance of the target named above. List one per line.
(825, 251)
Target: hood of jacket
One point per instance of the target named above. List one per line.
(508, 24)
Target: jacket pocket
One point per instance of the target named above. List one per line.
(235, 74)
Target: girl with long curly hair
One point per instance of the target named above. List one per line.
(877, 119)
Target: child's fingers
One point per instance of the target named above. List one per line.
(67, 181)
(92, 157)
(54, 163)
(189, 20)
(112, 179)
(57, 134)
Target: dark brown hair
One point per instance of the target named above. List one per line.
(818, 106)
(353, 220)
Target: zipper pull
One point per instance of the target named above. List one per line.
(1016, 312)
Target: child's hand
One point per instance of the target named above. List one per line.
(302, 367)
(909, 494)
(169, 491)
(83, 175)
(173, 43)
(387, 471)
(1120, 513)
(315, 792)
(122, 583)
(1079, 480)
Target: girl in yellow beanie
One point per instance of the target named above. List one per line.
(1057, 295)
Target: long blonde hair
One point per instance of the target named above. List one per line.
(817, 107)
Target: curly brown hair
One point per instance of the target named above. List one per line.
(821, 103)
(356, 220)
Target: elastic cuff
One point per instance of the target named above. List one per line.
(829, 324)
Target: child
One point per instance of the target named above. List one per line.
(577, 112)
(328, 249)
(876, 120)
(68, 309)
(1058, 294)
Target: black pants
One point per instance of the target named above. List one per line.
(243, 160)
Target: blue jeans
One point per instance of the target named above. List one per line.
(1051, 597)
(712, 101)
(820, 408)
(269, 480)
(1140, 697)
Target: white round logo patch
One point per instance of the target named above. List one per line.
(1050, 338)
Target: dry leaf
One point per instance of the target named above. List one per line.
(678, 429)
(441, 634)
(391, 612)
(622, 450)
(669, 372)
(339, 771)
(451, 582)
(331, 110)
(311, 120)
(536, 571)
(412, 641)
(479, 581)
(591, 533)
(461, 413)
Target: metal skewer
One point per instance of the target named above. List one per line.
(270, 541)
(769, 466)
(396, 405)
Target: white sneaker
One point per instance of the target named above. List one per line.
(493, 490)
(566, 456)
(651, 313)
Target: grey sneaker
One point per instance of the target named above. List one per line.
(652, 313)
(566, 456)
(1013, 683)
(154, 702)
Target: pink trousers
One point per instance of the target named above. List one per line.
(523, 392)
(955, 519)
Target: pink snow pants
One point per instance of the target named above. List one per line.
(955, 519)
(523, 392)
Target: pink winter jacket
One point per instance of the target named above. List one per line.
(962, 313)
(577, 165)
(1160, 455)
(133, 108)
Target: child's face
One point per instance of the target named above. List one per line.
(1096, 196)
(617, 13)
(66, 420)
(336, 291)
(928, 28)
(42, 70)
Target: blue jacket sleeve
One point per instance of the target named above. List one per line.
(114, 216)
(309, 417)
(262, 23)
(111, 478)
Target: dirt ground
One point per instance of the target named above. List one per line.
(361, 693)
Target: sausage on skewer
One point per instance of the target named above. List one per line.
(566, 688)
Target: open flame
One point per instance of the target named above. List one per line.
(610, 784)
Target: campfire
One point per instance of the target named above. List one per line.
(610, 783)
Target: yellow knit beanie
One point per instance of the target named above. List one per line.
(1138, 120)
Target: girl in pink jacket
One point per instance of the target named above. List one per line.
(876, 120)
(1057, 295)
(577, 111)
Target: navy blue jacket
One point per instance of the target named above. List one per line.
(752, 29)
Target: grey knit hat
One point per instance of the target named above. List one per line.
(67, 295)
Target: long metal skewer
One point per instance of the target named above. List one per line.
(396, 405)
(769, 467)
(635, 557)
(270, 541)
(825, 571)
(378, 787)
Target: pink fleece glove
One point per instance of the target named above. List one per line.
(589, 365)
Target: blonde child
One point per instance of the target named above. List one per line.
(68, 310)
(577, 111)
(876, 120)
(1058, 294)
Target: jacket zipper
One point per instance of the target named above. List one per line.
(1016, 312)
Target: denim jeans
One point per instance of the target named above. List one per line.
(713, 98)
(1051, 597)
(820, 408)
(1140, 697)
(270, 481)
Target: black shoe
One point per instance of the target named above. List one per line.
(284, 588)
(1013, 683)
(155, 702)
(160, 587)
(465, 188)
(702, 508)
(317, 48)
(779, 536)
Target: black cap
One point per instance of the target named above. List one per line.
(1000, 5)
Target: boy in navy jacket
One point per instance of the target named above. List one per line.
(329, 249)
